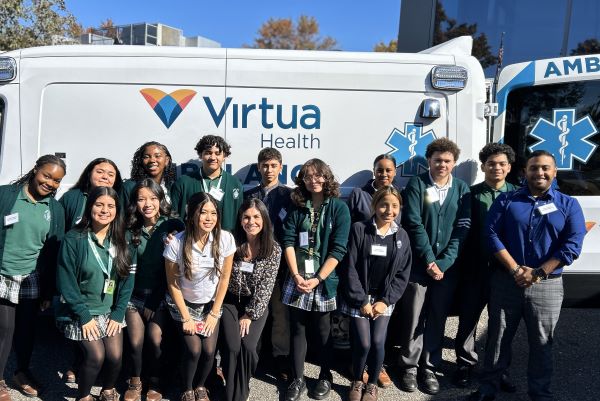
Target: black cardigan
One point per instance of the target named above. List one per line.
(354, 268)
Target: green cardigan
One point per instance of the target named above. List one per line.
(436, 233)
(186, 186)
(334, 236)
(46, 265)
(73, 201)
(71, 266)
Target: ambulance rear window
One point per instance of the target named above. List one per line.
(562, 119)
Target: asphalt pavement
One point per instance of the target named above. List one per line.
(576, 366)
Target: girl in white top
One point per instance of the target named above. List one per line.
(198, 265)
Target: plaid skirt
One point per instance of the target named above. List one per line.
(72, 328)
(313, 301)
(138, 300)
(13, 288)
(355, 312)
(198, 312)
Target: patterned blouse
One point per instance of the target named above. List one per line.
(257, 285)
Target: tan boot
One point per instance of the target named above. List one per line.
(134, 391)
(154, 393)
(4, 392)
(109, 395)
(201, 394)
(188, 396)
(370, 393)
(356, 390)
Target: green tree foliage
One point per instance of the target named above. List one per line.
(28, 23)
(391, 47)
(282, 33)
(448, 28)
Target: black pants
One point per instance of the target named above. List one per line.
(368, 346)
(17, 326)
(240, 357)
(321, 322)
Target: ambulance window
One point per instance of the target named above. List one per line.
(563, 116)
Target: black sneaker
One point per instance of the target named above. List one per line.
(295, 390)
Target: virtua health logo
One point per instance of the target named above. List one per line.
(409, 147)
(565, 138)
(168, 106)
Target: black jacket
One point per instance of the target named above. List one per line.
(354, 268)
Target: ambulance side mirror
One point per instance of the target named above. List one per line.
(430, 108)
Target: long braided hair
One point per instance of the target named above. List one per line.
(138, 172)
(42, 161)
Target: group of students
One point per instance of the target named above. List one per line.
(141, 254)
(199, 253)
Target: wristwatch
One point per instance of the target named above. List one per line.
(538, 275)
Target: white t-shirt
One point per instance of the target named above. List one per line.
(202, 287)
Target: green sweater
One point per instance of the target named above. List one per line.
(81, 289)
(436, 233)
(73, 201)
(46, 265)
(150, 272)
(333, 233)
(186, 186)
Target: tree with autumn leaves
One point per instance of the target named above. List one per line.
(283, 33)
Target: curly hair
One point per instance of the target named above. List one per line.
(84, 184)
(39, 163)
(208, 141)
(117, 229)
(442, 145)
(135, 220)
(492, 149)
(138, 170)
(194, 207)
(331, 188)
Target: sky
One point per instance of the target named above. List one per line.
(356, 25)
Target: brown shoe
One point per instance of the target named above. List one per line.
(384, 379)
(154, 393)
(201, 394)
(370, 393)
(134, 391)
(365, 377)
(356, 391)
(188, 396)
(4, 392)
(109, 395)
(70, 376)
(25, 384)
(89, 397)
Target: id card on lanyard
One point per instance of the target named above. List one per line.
(309, 265)
(216, 192)
(109, 285)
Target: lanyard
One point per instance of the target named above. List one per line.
(105, 269)
(207, 190)
(312, 234)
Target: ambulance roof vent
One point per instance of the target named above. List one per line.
(8, 69)
(449, 77)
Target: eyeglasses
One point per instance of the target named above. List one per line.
(313, 178)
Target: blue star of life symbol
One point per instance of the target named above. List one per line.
(565, 138)
(409, 147)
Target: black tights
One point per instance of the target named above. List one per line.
(106, 353)
(368, 346)
(17, 323)
(320, 321)
(198, 358)
(151, 332)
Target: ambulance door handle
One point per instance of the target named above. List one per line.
(430, 108)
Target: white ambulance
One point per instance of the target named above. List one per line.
(83, 102)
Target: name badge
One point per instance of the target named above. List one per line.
(309, 266)
(304, 238)
(217, 193)
(109, 286)
(378, 250)
(282, 214)
(206, 262)
(432, 195)
(247, 267)
(547, 208)
(11, 219)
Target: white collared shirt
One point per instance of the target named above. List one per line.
(443, 190)
(392, 229)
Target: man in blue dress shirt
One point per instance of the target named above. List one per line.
(533, 233)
